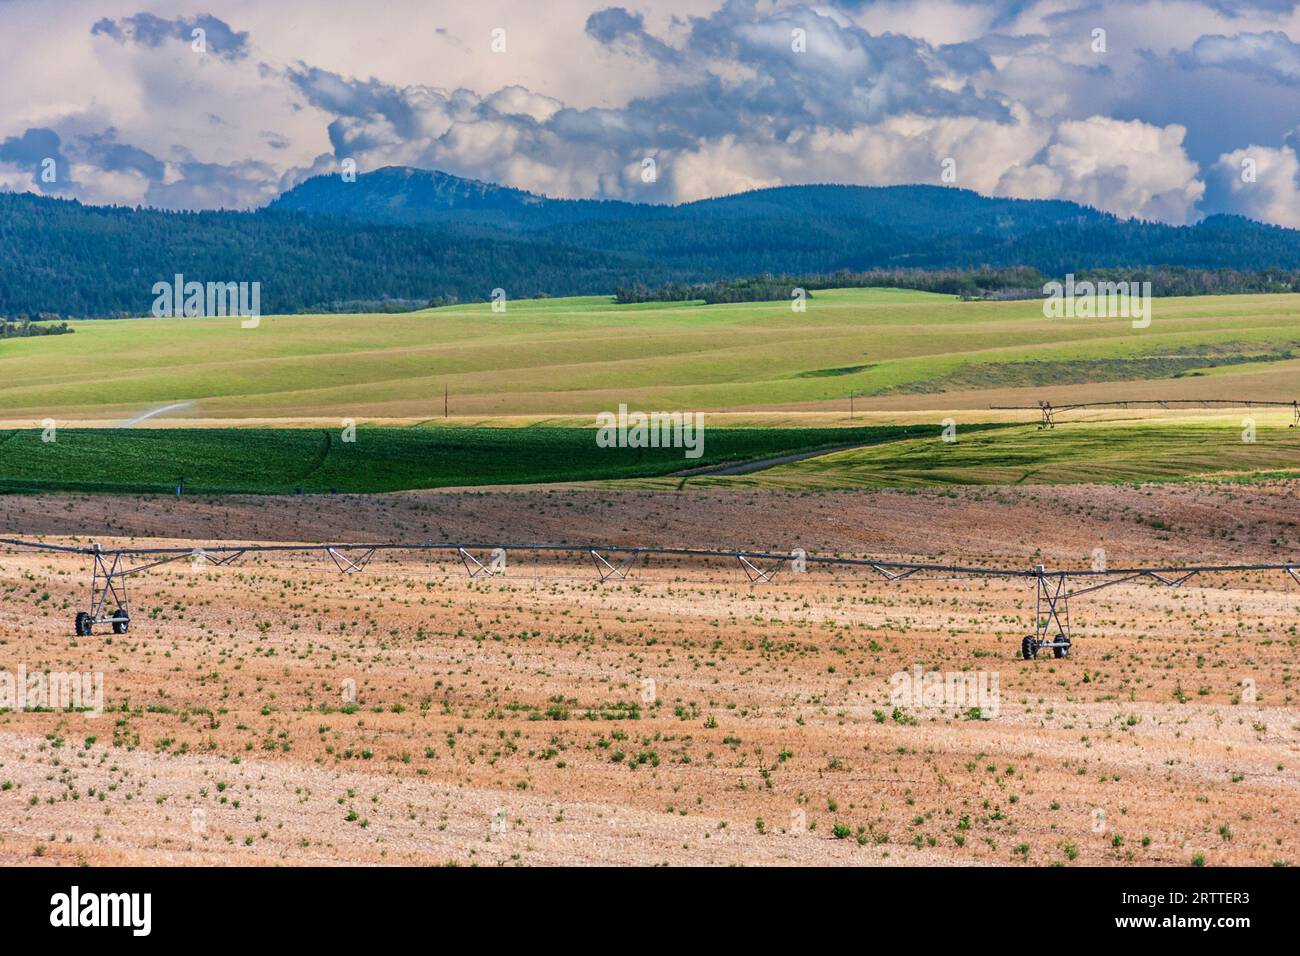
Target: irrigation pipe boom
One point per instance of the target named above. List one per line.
(1048, 410)
(112, 566)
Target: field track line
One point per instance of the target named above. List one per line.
(161, 410)
(762, 464)
(318, 460)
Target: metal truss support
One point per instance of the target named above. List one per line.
(346, 565)
(893, 575)
(1053, 607)
(1295, 408)
(759, 575)
(109, 603)
(108, 581)
(1048, 420)
(607, 570)
(198, 555)
(109, 568)
(1051, 611)
(1172, 582)
(474, 567)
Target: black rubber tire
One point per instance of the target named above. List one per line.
(1028, 648)
(122, 626)
(83, 625)
(1060, 652)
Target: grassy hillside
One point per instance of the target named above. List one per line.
(1093, 452)
(894, 349)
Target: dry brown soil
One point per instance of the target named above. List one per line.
(509, 720)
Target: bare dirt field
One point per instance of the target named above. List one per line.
(680, 716)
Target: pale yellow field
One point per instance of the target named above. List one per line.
(898, 352)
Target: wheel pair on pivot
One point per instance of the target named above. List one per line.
(1030, 645)
(85, 622)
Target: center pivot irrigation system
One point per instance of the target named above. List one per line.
(112, 566)
(1048, 410)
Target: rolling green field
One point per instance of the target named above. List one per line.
(895, 349)
(280, 461)
(1092, 452)
(909, 358)
(382, 459)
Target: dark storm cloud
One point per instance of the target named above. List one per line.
(615, 26)
(103, 151)
(1270, 55)
(31, 150)
(1002, 11)
(602, 127)
(151, 30)
(214, 186)
(965, 58)
(31, 147)
(753, 91)
(1236, 8)
(844, 78)
(356, 98)
(810, 68)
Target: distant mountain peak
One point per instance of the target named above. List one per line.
(409, 196)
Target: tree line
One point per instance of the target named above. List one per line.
(62, 259)
(1020, 282)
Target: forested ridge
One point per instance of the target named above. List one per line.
(400, 238)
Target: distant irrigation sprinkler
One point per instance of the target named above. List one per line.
(109, 601)
(110, 567)
(1048, 411)
(107, 590)
(1051, 607)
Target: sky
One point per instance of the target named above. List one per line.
(1168, 110)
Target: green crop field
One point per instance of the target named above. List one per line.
(907, 358)
(284, 460)
(574, 357)
(1103, 452)
(279, 461)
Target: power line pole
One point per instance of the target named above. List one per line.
(446, 391)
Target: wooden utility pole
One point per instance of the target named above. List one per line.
(446, 391)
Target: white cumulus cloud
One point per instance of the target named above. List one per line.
(1126, 167)
(1260, 183)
